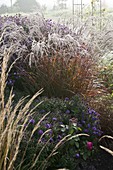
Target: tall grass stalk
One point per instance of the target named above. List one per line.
(105, 148)
(59, 144)
(11, 131)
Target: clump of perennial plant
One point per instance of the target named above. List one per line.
(72, 117)
(52, 56)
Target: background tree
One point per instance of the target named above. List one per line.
(3, 9)
(27, 5)
(44, 7)
(62, 4)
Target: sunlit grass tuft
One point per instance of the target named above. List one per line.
(11, 130)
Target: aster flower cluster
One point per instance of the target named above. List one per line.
(13, 77)
(89, 123)
(68, 116)
(70, 112)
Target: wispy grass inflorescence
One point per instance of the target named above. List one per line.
(11, 131)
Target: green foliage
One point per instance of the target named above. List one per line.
(67, 117)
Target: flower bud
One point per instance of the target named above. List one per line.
(89, 145)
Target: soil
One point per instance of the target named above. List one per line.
(102, 161)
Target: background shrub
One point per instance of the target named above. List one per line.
(103, 103)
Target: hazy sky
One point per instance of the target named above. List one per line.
(50, 3)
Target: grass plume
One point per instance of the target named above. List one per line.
(11, 132)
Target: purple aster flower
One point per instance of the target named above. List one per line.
(77, 155)
(98, 114)
(10, 82)
(100, 132)
(50, 132)
(43, 140)
(94, 118)
(94, 128)
(32, 121)
(59, 137)
(51, 140)
(95, 133)
(79, 125)
(40, 132)
(61, 123)
(42, 111)
(66, 99)
(95, 113)
(67, 111)
(97, 123)
(48, 125)
(83, 122)
(86, 130)
(91, 111)
(88, 125)
(54, 118)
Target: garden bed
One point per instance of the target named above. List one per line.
(61, 129)
(102, 161)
